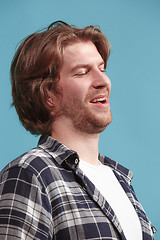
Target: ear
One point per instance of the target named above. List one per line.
(50, 102)
(51, 99)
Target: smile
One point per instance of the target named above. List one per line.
(101, 102)
(100, 99)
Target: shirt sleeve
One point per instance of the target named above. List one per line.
(25, 211)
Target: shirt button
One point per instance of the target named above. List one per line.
(76, 161)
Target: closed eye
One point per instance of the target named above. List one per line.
(102, 70)
(81, 73)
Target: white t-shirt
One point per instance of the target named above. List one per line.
(106, 182)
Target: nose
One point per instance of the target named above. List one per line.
(101, 81)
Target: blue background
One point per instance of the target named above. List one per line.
(133, 28)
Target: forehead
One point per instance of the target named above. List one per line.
(81, 52)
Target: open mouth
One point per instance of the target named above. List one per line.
(101, 100)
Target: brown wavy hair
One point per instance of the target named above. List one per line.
(36, 66)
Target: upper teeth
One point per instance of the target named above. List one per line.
(99, 99)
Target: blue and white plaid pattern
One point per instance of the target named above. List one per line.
(44, 195)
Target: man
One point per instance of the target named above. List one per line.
(64, 189)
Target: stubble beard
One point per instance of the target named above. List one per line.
(83, 118)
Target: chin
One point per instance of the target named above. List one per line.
(95, 126)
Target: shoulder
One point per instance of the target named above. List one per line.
(29, 174)
(118, 168)
(33, 161)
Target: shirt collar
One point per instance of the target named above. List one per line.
(62, 153)
(117, 167)
(58, 151)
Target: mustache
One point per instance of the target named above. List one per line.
(95, 92)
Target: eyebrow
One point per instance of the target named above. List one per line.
(83, 66)
(79, 66)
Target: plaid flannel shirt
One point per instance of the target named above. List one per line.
(44, 195)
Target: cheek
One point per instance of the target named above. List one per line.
(75, 89)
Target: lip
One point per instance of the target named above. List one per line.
(101, 101)
(98, 98)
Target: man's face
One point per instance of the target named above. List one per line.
(86, 88)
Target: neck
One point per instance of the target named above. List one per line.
(86, 145)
